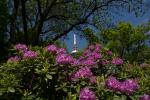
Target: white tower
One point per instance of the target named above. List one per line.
(74, 44)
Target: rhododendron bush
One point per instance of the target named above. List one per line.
(51, 73)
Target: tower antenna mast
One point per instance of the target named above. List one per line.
(74, 44)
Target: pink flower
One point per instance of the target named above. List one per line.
(128, 86)
(93, 79)
(104, 62)
(87, 94)
(64, 59)
(30, 55)
(98, 47)
(144, 97)
(76, 62)
(117, 61)
(86, 52)
(91, 47)
(14, 59)
(144, 65)
(51, 48)
(89, 61)
(96, 55)
(112, 83)
(109, 53)
(61, 51)
(84, 72)
(21, 47)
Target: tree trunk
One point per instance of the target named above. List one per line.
(38, 31)
(13, 22)
(25, 27)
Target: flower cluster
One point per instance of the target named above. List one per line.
(30, 55)
(89, 59)
(61, 51)
(64, 59)
(26, 53)
(90, 56)
(14, 59)
(112, 83)
(93, 79)
(109, 53)
(51, 48)
(84, 72)
(144, 97)
(88, 62)
(21, 47)
(144, 65)
(128, 86)
(117, 61)
(104, 62)
(96, 55)
(87, 94)
(86, 68)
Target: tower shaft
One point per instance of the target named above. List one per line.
(74, 43)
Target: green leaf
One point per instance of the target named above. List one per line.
(52, 72)
(65, 89)
(49, 76)
(1, 93)
(38, 71)
(11, 89)
(83, 83)
(122, 97)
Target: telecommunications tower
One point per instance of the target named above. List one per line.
(74, 44)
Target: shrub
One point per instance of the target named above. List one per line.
(50, 73)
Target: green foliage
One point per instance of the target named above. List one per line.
(39, 79)
(43, 79)
(128, 42)
(142, 75)
(90, 36)
(56, 18)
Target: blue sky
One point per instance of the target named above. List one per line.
(127, 17)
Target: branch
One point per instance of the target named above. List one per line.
(92, 25)
(68, 30)
(46, 31)
(54, 3)
(25, 26)
(47, 10)
(30, 21)
(88, 7)
(36, 19)
(84, 20)
(63, 2)
(60, 17)
(39, 8)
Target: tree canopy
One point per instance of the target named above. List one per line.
(31, 20)
(127, 41)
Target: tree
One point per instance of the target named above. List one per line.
(32, 19)
(90, 36)
(13, 22)
(128, 42)
(3, 26)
